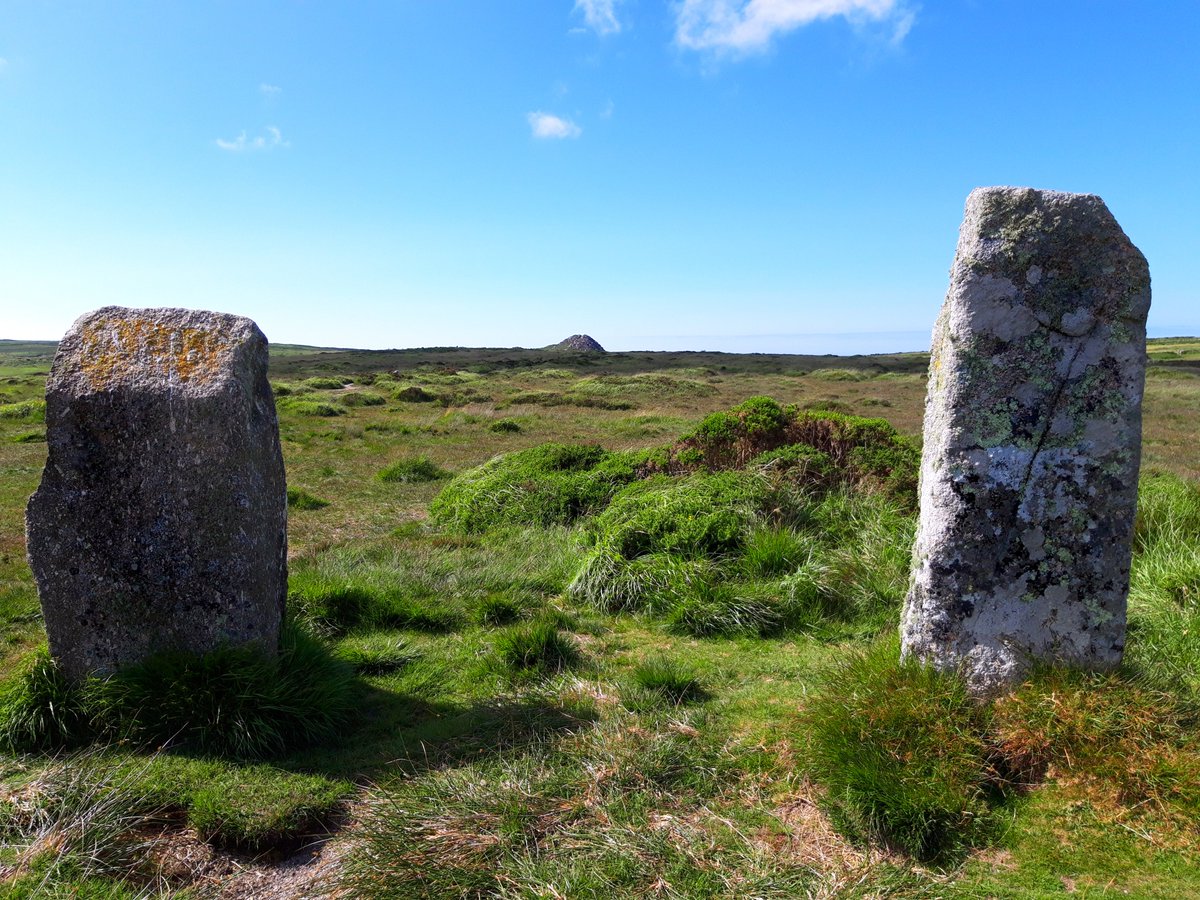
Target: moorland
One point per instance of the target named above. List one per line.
(605, 624)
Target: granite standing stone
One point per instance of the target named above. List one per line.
(1033, 427)
(161, 519)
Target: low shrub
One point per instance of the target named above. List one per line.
(505, 426)
(416, 470)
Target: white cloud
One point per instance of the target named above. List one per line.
(269, 140)
(270, 91)
(600, 15)
(748, 26)
(546, 126)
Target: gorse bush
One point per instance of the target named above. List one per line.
(235, 701)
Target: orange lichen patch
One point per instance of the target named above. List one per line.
(113, 347)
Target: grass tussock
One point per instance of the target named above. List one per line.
(901, 752)
(415, 470)
(234, 701)
(24, 411)
(298, 498)
(539, 647)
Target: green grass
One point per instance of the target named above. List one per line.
(411, 471)
(234, 701)
(298, 498)
(672, 757)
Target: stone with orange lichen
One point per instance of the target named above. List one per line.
(160, 522)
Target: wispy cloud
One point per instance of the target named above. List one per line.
(599, 15)
(269, 140)
(270, 91)
(749, 26)
(549, 127)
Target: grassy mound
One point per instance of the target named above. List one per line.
(546, 485)
(813, 446)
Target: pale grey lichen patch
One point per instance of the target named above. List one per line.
(161, 519)
(1032, 441)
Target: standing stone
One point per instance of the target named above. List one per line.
(161, 519)
(1032, 441)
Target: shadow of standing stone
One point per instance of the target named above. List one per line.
(161, 518)
(1032, 442)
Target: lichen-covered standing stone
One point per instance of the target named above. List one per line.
(161, 519)
(1032, 441)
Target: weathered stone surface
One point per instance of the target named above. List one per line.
(579, 342)
(161, 518)
(1032, 441)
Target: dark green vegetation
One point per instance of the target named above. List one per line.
(647, 651)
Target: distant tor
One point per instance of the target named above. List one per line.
(578, 342)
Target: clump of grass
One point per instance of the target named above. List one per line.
(234, 701)
(901, 751)
(413, 394)
(505, 426)
(24, 411)
(539, 647)
(257, 808)
(669, 679)
(770, 552)
(342, 604)
(840, 374)
(42, 710)
(362, 398)
(298, 498)
(85, 832)
(546, 485)
(702, 514)
(375, 653)
(714, 609)
(323, 383)
(641, 387)
(29, 437)
(498, 609)
(311, 407)
(415, 470)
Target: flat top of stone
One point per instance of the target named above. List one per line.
(117, 346)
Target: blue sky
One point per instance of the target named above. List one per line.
(774, 175)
